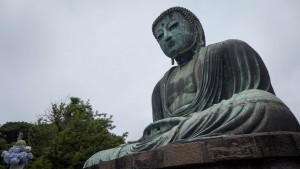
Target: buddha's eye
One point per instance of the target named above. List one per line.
(174, 25)
(160, 36)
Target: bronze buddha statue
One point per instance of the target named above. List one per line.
(219, 89)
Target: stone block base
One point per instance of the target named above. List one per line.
(274, 150)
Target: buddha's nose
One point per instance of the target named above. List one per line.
(168, 36)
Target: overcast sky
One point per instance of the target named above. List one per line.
(105, 51)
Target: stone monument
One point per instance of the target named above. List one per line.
(215, 91)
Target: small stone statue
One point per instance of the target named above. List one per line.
(20, 136)
(219, 89)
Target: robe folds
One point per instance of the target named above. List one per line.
(234, 96)
(221, 70)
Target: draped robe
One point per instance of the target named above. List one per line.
(221, 70)
(234, 96)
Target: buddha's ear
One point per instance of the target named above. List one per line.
(200, 34)
(197, 33)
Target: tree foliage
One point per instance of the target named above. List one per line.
(10, 130)
(68, 134)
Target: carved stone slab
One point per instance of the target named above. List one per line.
(274, 150)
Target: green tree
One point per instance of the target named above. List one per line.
(69, 134)
(10, 130)
(3, 146)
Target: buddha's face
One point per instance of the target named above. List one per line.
(175, 34)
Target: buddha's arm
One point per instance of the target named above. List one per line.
(157, 110)
(244, 68)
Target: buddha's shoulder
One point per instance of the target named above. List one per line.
(230, 43)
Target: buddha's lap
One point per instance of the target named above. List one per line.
(250, 111)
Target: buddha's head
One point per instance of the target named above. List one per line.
(178, 31)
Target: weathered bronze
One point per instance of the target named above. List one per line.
(219, 89)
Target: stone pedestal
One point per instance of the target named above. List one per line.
(274, 150)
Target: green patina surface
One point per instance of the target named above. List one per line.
(219, 89)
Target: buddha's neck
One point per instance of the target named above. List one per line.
(187, 56)
(184, 58)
